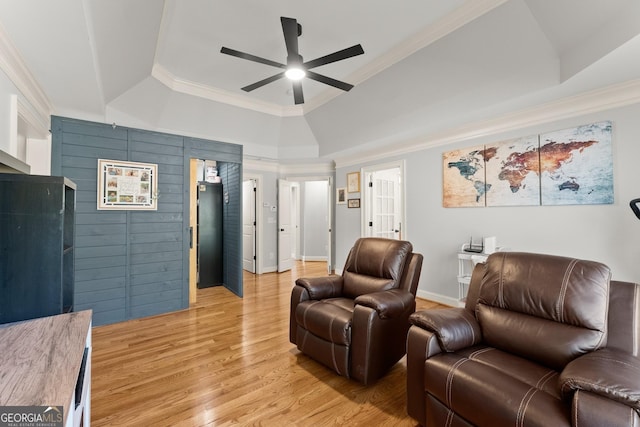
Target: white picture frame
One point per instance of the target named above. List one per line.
(126, 185)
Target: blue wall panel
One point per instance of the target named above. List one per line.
(132, 264)
(231, 174)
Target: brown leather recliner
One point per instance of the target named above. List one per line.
(357, 323)
(542, 341)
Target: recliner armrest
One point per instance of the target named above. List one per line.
(608, 372)
(389, 304)
(456, 328)
(322, 287)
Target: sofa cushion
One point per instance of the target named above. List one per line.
(332, 355)
(483, 383)
(533, 304)
(329, 319)
(550, 343)
(358, 284)
(375, 265)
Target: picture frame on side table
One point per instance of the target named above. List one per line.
(353, 182)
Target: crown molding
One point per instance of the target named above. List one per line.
(219, 95)
(38, 125)
(13, 65)
(298, 169)
(446, 25)
(262, 165)
(594, 101)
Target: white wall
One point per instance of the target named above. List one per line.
(605, 233)
(38, 156)
(7, 89)
(17, 134)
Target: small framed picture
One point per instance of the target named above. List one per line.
(353, 182)
(353, 203)
(127, 185)
(341, 196)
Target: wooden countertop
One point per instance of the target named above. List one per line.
(40, 359)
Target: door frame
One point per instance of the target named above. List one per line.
(193, 233)
(366, 195)
(285, 260)
(259, 215)
(330, 212)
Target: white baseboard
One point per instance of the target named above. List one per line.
(314, 258)
(442, 299)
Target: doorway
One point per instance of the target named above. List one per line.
(304, 220)
(205, 226)
(227, 175)
(252, 226)
(249, 225)
(383, 201)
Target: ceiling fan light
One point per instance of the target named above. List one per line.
(295, 73)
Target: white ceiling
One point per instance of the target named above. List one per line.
(429, 65)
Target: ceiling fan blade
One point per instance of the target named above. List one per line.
(290, 30)
(263, 82)
(329, 81)
(336, 56)
(297, 92)
(250, 57)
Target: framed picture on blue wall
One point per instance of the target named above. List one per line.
(127, 185)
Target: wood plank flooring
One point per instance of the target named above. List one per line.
(228, 361)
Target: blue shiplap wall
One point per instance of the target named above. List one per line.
(232, 174)
(132, 264)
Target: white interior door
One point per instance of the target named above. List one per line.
(295, 220)
(249, 225)
(285, 259)
(383, 204)
(330, 195)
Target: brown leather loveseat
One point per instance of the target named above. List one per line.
(357, 323)
(542, 341)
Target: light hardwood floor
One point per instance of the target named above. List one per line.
(228, 361)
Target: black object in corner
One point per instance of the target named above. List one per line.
(37, 220)
(634, 207)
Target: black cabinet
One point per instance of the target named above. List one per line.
(37, 218)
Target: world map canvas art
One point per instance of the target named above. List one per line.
(512, 172)
(571, 166)
(464, 182)
(577, 165)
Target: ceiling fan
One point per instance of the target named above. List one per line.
(295, 69)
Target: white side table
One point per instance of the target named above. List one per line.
(466, 262)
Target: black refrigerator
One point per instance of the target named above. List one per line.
(209, 234)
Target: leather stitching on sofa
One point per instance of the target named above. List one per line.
(357, 323)
(557, 345)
